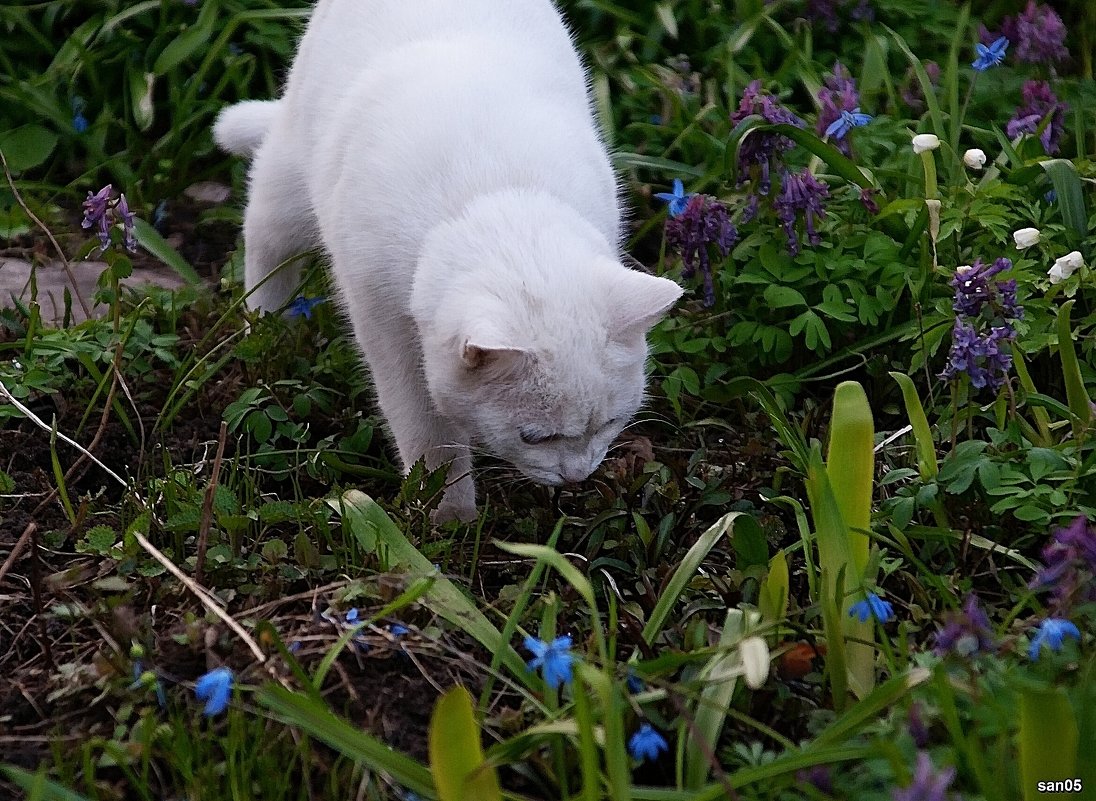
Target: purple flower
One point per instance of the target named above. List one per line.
(966, 632)
(979, 356)
(912, 94)
(818, 776)
(760, 148)
(215, 688)
(647, 743)
(128, 217)
(302, 307)
(555, 658)
(990, 55)
(95, 207)
(928, 783)
(1070, 566)
(867, 200)
(840, 107)
(800, 192)
(678, 199)
(823, 12)
(704, 222)
(1038, 33)
(1039, 102)
(981, 338)
(918, 729)
(1052, 633)
(972, 286)
(872, 607)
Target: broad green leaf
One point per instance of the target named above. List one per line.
(38, 787)
(1048, 739)
(1079, 404)
(1071, 198)
(773, 596)
(922, 433)
(27, 146)
(456, 754)
(189, 42)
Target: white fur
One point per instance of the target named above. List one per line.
(446, 157)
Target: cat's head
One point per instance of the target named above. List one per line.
(543, 367)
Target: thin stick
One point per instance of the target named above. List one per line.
(48, 233)
(17, 549)
(207, 505)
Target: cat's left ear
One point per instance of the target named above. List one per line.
(637, 301)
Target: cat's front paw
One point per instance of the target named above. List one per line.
(447, 511)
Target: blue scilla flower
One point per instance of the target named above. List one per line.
(678, 199)
(848, 120)
(215, 688)
(79, 123)
(634, 683)
(352, 615)
(555, 658)
(1052, 632)
(991, 55)
(647, 743)
(398, 630)
(302, 306)
(872, 606)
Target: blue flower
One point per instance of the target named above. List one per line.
(635, 683)
(678, 199)
(555, 658)
(647, 743)
(990, 56)
(872, 606)
(352, 615)
(1052, 632)
(215, 688)
(848, 120)
(398, 630)
(79, 123)
(302, 306)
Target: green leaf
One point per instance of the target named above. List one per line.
(927, 89)
(774, 593)
(150, 239)
(1079, 405)
(834, 159)
(188, 42)
(38, 787)
(456, 754)
(1048, 738)
(318, 721)
(922, 433)
(554, 559)
(27, 146)
(779, 297)
(733, 522)
(1071, 199)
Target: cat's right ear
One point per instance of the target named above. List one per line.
(490, 357)
(639, 300)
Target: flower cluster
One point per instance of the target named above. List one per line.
(985, 311)
(103, 212)
(824, 12)
(928, 783)
(1039, 103)
(703, 222)
(840, 108)
(1038, 33)
(800, 192)
(966, 632)
(1069, 570)
(760, 148)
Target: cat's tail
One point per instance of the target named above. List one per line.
(241, 128)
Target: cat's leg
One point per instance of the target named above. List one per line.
(278, 225)
(391, 347)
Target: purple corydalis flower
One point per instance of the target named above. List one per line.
(912, 94)
(966, 632)
(973, 289)
(915, 722)
(928, 783)
(99, 211)
(800, 192)
(985, 358)
(761, 148)
(1039, 101)
(867, 200)
(1037, 32)
(840, 108)
(704, 222)
(1052, 633)
(818, 776)
(990, 55)
(981, 338)
(1070, 566)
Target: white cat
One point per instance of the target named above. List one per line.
(445, 156)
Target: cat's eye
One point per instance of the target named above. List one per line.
(531, 437)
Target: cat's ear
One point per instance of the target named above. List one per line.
(637, 301)
(485, 352)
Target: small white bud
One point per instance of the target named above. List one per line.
(755, 661)
(1026, 237)
(974, 158)
(923, 142)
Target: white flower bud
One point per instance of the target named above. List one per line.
(1064, 267)
(975, 158)
(755, 661)
(923, 142)
(1026, 237)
